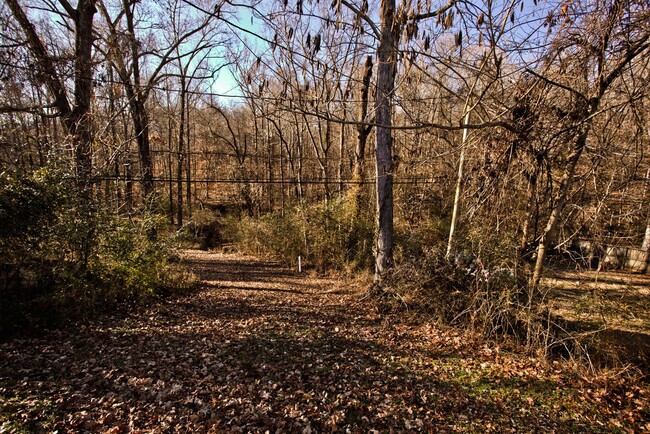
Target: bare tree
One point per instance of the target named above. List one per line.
(75, 112)
(615, 39)
(126, 50)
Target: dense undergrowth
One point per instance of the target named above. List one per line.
(63, 257)
(329, 235)
(483, 291)
(481, 287)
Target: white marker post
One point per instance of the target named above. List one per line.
(299, 264)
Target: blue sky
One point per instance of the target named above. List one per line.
(225, 82)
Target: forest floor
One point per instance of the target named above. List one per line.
(611, 307)
(260, 348)
(618, 299)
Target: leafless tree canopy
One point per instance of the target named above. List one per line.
(512, 130)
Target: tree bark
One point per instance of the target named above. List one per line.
(387, 55)
(170, 170)
(560, 201)
(363, 131)
(188, 156)
(341, 153)
(141, 129)
(80, 122)
(181, 150)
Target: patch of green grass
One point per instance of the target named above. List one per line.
(25, 415)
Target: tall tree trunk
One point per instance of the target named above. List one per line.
(341, 153)
(141, 130)
(297, 168)
(387, 56)
(170, 170)
(137, 98)
(181, 146)
(188, 159)
(560, 201)
(459, 186)
(270, 150)
(81, 121)
(363, 131)
(326, 147)
(114, 140)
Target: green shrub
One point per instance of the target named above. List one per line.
(28, 208)
(204, 230)
(327, 235)
(62, 257)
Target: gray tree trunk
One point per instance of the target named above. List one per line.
(387, 56)
(363, 131)
(181, 150)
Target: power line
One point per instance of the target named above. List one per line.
(292, 181)
(262, 157)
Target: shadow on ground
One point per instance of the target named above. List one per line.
(262, 348)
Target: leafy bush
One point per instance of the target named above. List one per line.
(327, 235)
(204, 230)
(62, 257)
(27, 210)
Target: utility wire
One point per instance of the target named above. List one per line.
(293, 181)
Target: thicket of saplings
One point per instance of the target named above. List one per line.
(65, 257)
(481, 286)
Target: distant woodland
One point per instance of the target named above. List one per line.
(455, 150)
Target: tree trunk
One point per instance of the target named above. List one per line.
(387, 55)
(170, 173)
(141, 129)
(459, 186)
(80, 123)
(179, 173)
(326, 146)
(341, 153)
(270, 150)
(137, 98)
(188, 159)
(112, 110)
(363, 131)
(298, 171)
(563, 191)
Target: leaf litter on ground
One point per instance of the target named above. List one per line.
(261, 348)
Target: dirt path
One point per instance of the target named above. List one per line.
(264, 348)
